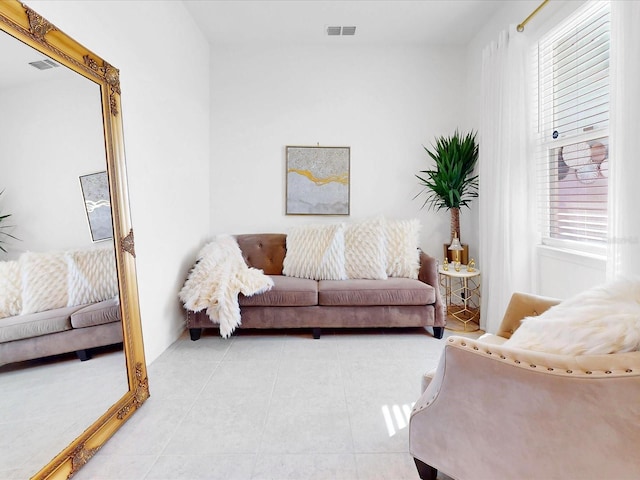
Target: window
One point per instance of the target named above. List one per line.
(573, 130)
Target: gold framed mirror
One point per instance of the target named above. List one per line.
(24, 25)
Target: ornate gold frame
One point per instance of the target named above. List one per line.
(21, 22)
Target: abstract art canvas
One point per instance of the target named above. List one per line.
(318, 180)
(95, 190)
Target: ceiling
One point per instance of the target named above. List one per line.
(389, 22)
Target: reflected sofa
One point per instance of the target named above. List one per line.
(58, 302)
(490, 411)
(355, 303)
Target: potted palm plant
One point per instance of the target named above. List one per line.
(452, 184)
(3, 233)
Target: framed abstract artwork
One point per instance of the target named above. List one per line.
(95, 190)
(318, 180)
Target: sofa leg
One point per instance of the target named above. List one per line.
(438, 332)
(425, 472)
(195, 333)
(316, 333)
(83, 355)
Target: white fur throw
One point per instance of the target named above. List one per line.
(10, 289)
(216, 280)
(92, 276)
(364, 253)
(44, 281)
(403, 256)
(316, 252)
(601, 320)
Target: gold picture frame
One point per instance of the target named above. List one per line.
(27, 26)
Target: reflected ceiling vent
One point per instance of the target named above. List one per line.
(336, 30)
(44, 64)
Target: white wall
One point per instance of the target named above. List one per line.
(51, 134)
(383, 102)
(558, 274)
(164, 73)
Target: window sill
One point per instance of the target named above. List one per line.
(573, 256)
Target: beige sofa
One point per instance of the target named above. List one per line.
(62, 330)
(303, 303)
(497, 412)
(58, 302)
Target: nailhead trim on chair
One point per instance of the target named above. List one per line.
(463, 343)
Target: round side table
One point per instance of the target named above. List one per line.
(462, 294)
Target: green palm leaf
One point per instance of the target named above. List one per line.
(452, 183)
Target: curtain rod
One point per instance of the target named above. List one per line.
(531, 15)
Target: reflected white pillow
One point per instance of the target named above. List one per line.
(92, 276)
(44, 281)
(316, 252)
(10, 289)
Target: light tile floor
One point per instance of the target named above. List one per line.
(276, 405)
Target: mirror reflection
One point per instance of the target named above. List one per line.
(61, 358)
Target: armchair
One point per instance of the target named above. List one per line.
(490, 411)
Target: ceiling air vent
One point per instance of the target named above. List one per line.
(348, 30)
(44, 64)
(333, 30)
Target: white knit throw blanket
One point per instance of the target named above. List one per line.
(216, 280)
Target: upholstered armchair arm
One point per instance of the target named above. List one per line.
(520, 306)
(428, 274)
(492, 411)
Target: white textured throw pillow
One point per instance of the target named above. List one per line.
(315, 252)
(403, 256)
(364, 253)
(601, 320)
(44, 281)
(10, 289)
(92, 276)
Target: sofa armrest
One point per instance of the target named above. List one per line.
(520, 306)
(508, 408)
(428, 274)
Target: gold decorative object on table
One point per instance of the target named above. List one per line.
(472, 266)
(445, 265)
(456, 266)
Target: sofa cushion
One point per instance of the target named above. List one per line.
(393, 291)
(92, 275)
(364, 253)
(402, 254)
(10, 289)
(286, 292)
(107, 311)
(315, 252)
(36, 324)
(44, 281)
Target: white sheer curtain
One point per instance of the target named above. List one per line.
(624, 176)
(506, 206)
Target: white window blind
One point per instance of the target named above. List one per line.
(573, 130)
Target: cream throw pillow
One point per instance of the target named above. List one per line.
(365, 250)
(316, 252)
(602, 320)
(10, 289)
(92, 276)
(403, 256)
(44, 281)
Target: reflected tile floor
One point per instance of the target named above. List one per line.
(276, 405)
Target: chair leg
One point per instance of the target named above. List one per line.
(425, 472)
(195, 333)
(438, 332)
(316, 333)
